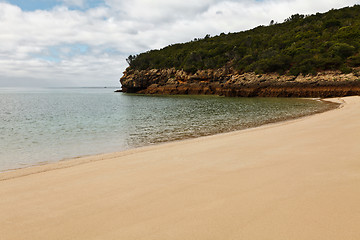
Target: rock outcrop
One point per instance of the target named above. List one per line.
(227, 82)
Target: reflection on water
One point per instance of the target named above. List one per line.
(52, 124)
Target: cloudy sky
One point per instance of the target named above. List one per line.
(86, 42)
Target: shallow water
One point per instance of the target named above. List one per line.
(38, 125)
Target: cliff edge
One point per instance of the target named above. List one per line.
(228, 82)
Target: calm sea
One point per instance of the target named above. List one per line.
(46, 125)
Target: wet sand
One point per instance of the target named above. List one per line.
(298, 179)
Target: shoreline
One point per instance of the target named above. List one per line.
(106, 133)
(82, 159)
(297, 179)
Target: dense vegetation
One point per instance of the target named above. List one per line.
(301, 44)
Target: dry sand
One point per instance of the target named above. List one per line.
(298, 179)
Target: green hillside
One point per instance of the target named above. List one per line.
(301, 44)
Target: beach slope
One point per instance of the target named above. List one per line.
(298, 179)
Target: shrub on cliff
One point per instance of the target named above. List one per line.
(302, 44)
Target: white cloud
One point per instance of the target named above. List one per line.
(87, 48)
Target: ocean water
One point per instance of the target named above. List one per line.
(47, 125)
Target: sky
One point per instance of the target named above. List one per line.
(85, 43)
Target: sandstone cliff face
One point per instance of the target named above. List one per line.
(227, 82)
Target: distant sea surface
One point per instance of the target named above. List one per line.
(47, 125)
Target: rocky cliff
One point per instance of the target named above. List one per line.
(227, 82)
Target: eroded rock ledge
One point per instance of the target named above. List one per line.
(227, 82)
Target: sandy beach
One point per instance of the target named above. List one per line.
(298, 179)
